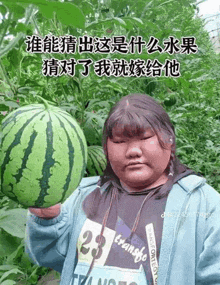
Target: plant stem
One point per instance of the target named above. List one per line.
(14, 42)
(5, 29)
(44, 101)
(7, 78)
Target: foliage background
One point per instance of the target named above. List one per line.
(192, 100)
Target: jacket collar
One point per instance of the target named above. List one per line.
(191, 182)
(88, 181)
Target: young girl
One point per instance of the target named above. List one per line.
(148, 220)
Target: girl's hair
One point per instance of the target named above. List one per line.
(132, 115)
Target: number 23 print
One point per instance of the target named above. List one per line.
(88, 243)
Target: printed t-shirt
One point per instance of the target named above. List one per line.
(120, 261)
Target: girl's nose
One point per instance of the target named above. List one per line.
(134, 149)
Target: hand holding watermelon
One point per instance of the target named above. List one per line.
(46, 213)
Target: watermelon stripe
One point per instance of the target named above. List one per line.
(100, 155)
(48, 163)
(71, 158)
(90, 166)
(27, 152)
(81, 144)
(96, 162)
(16, 141)
(15, 122)
(13, 117)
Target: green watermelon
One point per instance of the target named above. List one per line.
(43, 155)
(96, 160)
(170, 100)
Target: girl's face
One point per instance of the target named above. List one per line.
(145, 150)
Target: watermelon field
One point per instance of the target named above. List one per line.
(81, 57)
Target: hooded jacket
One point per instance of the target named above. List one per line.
(190, 246)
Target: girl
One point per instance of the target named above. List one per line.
(147, 220)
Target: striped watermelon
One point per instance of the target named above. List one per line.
(96, 160)
(43, 155)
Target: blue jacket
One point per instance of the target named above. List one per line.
(190, 247)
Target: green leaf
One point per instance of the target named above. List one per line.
(7, 267)
(25, 261)
(70, 14)
(106, 22)
(10, 104)
(94, 103)
(12, 271)
(8, 282)
(150, 25)
(67, 13)
(138, 20)
(128, 22)
(24, 90)
(166, 2)
(12, 44)
(14, 221)
(3, 9)
(87, 7)
(186, 146)
(46, 10)
(71, 109)
(14, 57)
(18, 11)
(201, 78)
(118, 5)
(3, 108)
(33, 277)
(120, 21)
(32, 83)
(93, 123)
(8, 244)
(15, 255)
(21, 28)
(5, 62)
(90, 134)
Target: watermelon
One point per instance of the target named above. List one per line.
(96, 160)
(43, 155)
(170, 100)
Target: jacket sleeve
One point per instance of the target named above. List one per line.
(46, 241)
(208, 266)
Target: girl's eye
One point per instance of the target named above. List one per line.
(119, 141)
(146, 138)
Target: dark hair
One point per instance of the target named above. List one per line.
(133, 114)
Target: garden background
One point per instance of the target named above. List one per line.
(192, 99)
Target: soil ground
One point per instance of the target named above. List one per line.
(49, 279)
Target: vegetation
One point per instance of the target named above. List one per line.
(192, 99)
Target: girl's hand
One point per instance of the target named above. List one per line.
(46, 213)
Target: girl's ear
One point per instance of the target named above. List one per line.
(167, 140)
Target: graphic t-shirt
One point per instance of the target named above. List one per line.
(121, 260)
